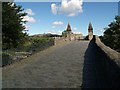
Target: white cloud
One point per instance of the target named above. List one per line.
(68, 7)
(27, 27)
(53, 26)
(29, 19)
(76, 32)
(29, 12)
(58, 23)
(59, 32)
(51, 32)
(54, 8)
(72, 14)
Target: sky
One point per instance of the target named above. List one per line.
(53, 17)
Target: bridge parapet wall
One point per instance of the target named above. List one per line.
(111, 66)
(114, 55)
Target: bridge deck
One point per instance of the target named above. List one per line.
(59, 66)
(68, 65)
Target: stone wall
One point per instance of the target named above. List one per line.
(101, 66)
(110, 52)
(59, 40)
(111, 65)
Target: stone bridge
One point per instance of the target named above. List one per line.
(69, 64)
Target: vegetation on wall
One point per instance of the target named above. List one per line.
(111, 35)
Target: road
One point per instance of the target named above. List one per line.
(59, 66)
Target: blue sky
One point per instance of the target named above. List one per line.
(42, 19)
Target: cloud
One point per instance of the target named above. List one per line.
(58, 23)
(59, 32)
(54, 8)
(68, 7)
(72, 14)
(51, 31)
(29, 19)
(77, 32)
(53, 26)
(29, 12)
(27, 27)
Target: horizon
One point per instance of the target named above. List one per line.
(55, 17)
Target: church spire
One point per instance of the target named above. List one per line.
(90, 31)
(90, 28)
(69, 27)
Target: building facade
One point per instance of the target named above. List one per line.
(72, 36)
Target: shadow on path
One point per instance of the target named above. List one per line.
(99, 70)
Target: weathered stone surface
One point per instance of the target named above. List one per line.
(100, 71)
(66, 65)
(110, 52)
(57, 67)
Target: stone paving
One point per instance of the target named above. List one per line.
(59, 66)
(70, 64)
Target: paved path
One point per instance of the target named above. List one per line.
(56, 67)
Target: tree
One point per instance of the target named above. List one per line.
(12, 25)
(111, 35)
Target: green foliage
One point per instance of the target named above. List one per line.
(35, 43)
(12, 25)
(32, 45)
(38, 39)
(38, 43)
(111, 35)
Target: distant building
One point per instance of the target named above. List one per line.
(71, 35)
(69, 30)
(90, 31)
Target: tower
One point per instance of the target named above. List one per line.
(90, 31)
(69, 31)
(69, 28)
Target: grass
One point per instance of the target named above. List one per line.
(31, 46)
